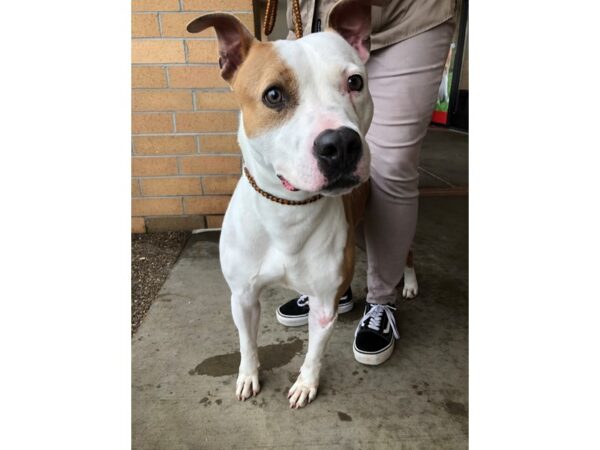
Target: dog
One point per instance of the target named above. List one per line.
(305, 110)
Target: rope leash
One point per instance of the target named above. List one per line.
(271, 16)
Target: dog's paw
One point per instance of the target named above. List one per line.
(301, 393)
(247, 385)
(411, 287)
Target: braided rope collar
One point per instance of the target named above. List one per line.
(273, 198)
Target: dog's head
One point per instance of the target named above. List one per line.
(305, 104)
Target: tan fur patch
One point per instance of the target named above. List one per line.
(354, 208)
(261, 69)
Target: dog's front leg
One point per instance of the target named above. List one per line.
(321, 320)
(245, 308)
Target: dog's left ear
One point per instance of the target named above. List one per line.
(352, 20)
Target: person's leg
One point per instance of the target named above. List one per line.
(404, 79)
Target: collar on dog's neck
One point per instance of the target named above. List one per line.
(273, 198)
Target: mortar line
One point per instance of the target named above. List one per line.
(166, 69)
(194, 106)
(159, 25)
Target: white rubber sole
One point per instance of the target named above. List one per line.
(374, 359)
(298, 321)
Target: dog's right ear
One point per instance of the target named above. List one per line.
(234, 40)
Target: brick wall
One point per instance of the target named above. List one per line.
(185, 157)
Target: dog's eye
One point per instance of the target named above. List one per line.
(274, 98)
(355, 83)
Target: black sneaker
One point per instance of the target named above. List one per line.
(295, 312)
(374, 337)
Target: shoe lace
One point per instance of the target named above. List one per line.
(302, 300)
(374, 317)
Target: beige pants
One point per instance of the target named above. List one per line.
(404, 79)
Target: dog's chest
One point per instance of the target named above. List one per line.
(305, 254)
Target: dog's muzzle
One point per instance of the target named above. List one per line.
(338, 153)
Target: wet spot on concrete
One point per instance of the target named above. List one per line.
(344, 417)
(419, 392)
(456, 409)
(158, 386)
(365, 371)
(415, 386)
(270, 356)
(360, 379)
(218, 401)
(355, 372)
(204, 400)
(168, 297)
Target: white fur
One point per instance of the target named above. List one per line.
(411, 287)
(300, 247)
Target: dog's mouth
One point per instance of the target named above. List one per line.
(287, 184)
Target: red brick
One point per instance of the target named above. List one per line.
(155, 5)
(171, 186)
(161, 100)
(203, 121)
(217, 5)
(216, 100)
(152, 123)
(202, 51)
(210, 165)
(150, 166)
(137, 225)
(195, 77)
(220, 185)
(214, 221)
(219, 143)
(156, 206)
(157, 51)
(164, 145)
(214, 204)
(144, 25)
(148, 77)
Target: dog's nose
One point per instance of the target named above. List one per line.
(338, 149)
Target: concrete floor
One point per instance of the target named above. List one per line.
(185, 360)
(444, 159)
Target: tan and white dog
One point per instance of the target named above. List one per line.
(305, 110)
